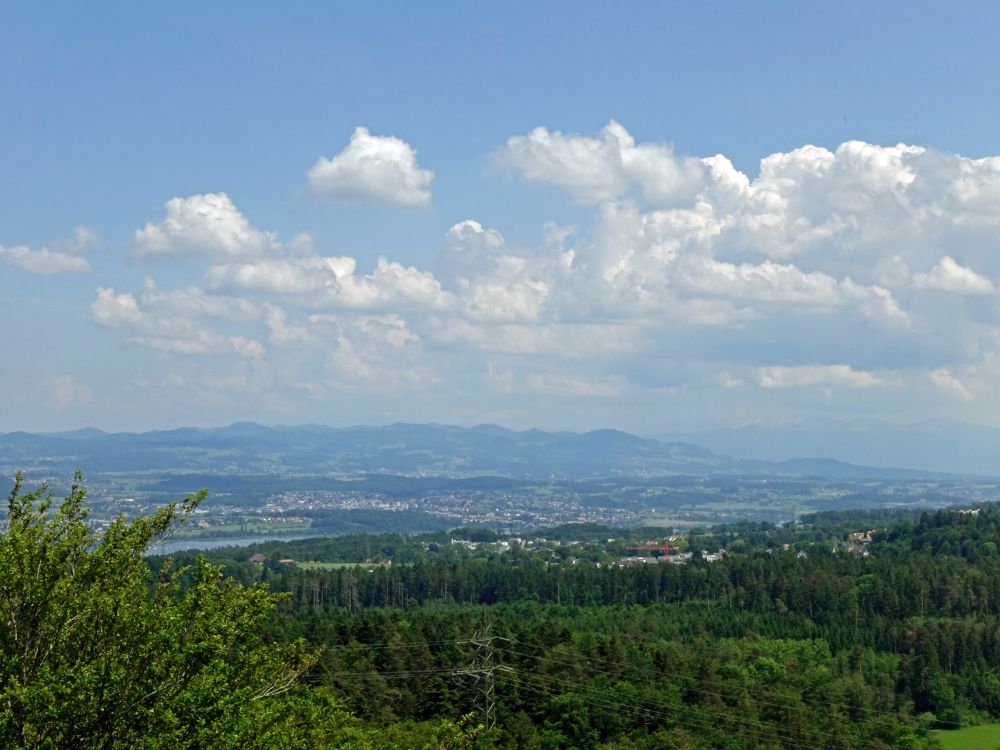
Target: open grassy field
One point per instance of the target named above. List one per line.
(985, 737)
(674, 522)
(314, 565)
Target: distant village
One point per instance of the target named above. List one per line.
(672, 549)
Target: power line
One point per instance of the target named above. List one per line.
(690, 716)
(408, 645)
(484, 670)
(556, 687)
(335, 678)
(689, 678)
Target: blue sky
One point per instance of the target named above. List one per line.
(560, 248)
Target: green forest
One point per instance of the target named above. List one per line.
(843, 630)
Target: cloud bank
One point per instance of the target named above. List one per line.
(861, 269)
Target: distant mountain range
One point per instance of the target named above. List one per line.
(407, 449)
(935, 445)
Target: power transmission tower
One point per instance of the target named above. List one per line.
(481, 672)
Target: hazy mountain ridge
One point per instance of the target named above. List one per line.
(940, 445)
(412, 449)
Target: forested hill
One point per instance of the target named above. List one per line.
(847, 630)
(972, 534)
(408, 449)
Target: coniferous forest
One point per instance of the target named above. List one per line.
(795, 638)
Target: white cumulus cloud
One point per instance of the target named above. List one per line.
(816, 375)
(43, 261)
(603, 168)
(192, 301)
(175, 334)
(319, 281)
(59, 257)
(948, 276)
(471, 236)
(944, 380)
(373, 168)
(113, 310)
(206, 225)
(283, 333)
(373, 353)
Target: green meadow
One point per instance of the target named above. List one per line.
(985, 737)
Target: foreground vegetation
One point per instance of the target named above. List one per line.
(95, 652)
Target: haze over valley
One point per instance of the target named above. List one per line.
(267, 482)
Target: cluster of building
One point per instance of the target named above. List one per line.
(676, 558)
(857, 543)
(330, 500)
(520, 511)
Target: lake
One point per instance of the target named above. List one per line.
(179, 545)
